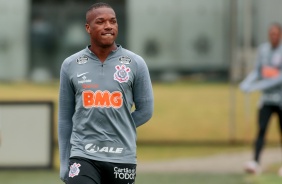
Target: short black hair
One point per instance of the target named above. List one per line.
(96, 6)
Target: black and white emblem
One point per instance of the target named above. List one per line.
(82, 60)
(124, 60)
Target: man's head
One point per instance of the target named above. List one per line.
(274, 35)
(101, 25)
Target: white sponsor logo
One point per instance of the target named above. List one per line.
(92, 148)
(79, 75)
(124, 173)
(84, 78)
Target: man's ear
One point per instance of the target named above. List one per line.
(87, 28)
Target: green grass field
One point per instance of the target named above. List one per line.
(51, 177)
(184, 112)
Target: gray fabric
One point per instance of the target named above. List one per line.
(95, 106)
(271, 87)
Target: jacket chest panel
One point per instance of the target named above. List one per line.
(111, 77)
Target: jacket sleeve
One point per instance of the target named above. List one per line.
(66, 111)
(265, 84)
(248, 83)
(142, 94)
(255, 83)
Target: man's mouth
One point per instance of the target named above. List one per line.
(107, 34)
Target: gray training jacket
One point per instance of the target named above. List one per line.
(96, 120)
(271, 87)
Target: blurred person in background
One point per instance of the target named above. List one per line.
(267, 78)
(43, 46)
(98, 87)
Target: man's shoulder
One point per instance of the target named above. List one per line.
(280, 47)
(75, 57)
(136, 60)
(132, 55)
(264, 47)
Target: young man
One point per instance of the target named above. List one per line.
(267, 77)
(98, 87)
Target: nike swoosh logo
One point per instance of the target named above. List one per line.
(79, 75)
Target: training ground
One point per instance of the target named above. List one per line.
(200, 133)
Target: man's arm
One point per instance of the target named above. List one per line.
(266, 83)
(247, 83)
(66, 110)
(142, 94)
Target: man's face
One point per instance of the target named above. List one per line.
(274, 36)
(102, 26)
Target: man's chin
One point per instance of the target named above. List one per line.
(107, 45)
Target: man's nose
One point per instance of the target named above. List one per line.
(108, 25)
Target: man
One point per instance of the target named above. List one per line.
(98, 87)
(266, 77)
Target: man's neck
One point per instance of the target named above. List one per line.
(275, 45)
(102, 52)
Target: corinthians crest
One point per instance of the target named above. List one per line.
(74, 170)
(121, 75)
